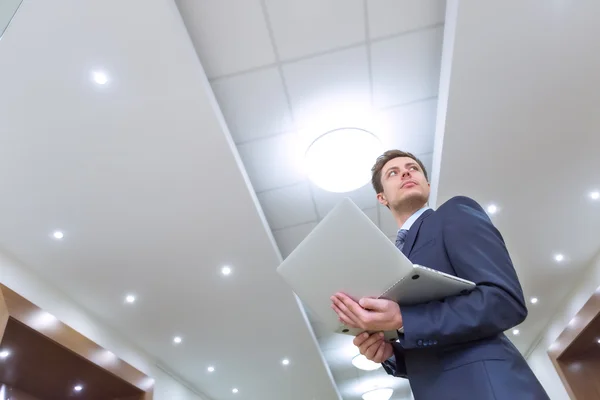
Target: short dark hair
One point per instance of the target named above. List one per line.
(383, 159)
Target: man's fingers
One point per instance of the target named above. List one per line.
(348, 308)
(346, 318)
(360, 339)
(371, 350)
(373, 304)
(369, 346)
(348, 303)
(379, 356)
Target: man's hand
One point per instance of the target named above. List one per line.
(374, 347)
(368, 314)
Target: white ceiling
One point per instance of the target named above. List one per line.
(156, 191)
(315, 66)
(143, 178)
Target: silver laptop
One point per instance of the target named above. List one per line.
(347, 252)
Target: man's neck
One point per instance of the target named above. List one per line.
(402, 215)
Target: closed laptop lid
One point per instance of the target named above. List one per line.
(346, 252)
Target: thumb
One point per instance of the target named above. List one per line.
(372, 304)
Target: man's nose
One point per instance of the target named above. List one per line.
(405, 173)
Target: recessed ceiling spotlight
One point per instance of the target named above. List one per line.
(534, 300)
(234, 390)
(210, 369)
(361, 362)
(78, 388)
(130, 298)
(4, 353)
(226, 270)
(177, 339)
(100, 77)
(492, 209)
(559, 257)
(378, 394)
(285, 361)
(595, 195)
(516, 332)
(598, 341)
(340, 160)
(58, 235)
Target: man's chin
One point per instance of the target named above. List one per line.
(412, 198)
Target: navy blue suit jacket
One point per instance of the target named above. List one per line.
(456, 348)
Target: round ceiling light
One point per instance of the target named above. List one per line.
(340, 160)
(100, 77)
(378, 394)
(361, 362)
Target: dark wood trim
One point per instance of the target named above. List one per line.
(559, 350)
(12, 305)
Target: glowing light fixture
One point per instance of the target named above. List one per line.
(378, 394)
(100, 77)
(340, 160)
(361, 362)
(492, 209)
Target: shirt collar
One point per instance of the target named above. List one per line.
(410, 221)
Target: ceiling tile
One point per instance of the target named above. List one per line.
(288, 206)
(391, 17)
(307, 27)
(406, 68)
(287, 239)
(272, 162)
(363, 197)
(410, 128)
(329, 91)
(229, 35)
(254, 104)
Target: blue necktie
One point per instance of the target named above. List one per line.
(401, 238)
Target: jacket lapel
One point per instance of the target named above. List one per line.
(413, 231)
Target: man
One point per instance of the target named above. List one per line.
(455, 348)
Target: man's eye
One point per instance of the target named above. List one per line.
(392, 173)
(414, 168)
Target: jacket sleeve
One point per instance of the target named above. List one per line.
(477, 252)
(396, 365)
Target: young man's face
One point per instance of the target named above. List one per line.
(403, 183)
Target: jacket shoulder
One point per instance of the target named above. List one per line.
(460, 203)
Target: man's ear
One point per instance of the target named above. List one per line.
(382, 200)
